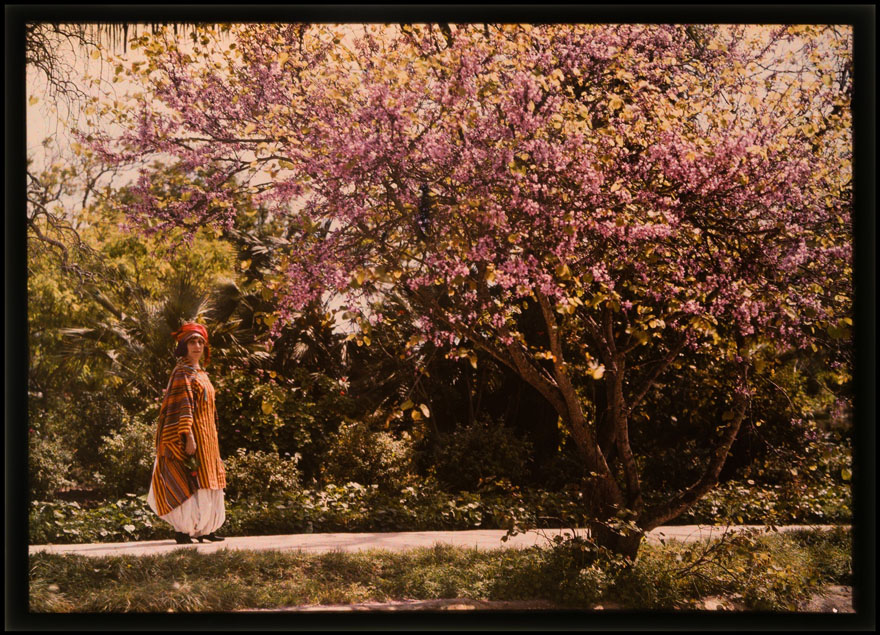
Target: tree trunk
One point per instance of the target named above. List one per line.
(621, 543)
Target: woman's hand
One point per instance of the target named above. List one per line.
(190, 444)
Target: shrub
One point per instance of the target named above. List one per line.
(259, 475)
(751, 503)
(776, 576)
(299, 414)
(358, 453)
(283, 507)
(97, 414)
(127, 457)
(649, 583)
(128, 518)
(49, 462)
(576, 572)
(484, 451)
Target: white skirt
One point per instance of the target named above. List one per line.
(199, 515)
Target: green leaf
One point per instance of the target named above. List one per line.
(845, 474)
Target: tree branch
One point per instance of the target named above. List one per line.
(659, 514)
(649, 380)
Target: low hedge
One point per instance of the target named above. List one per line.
(357, 508)
(748, 503)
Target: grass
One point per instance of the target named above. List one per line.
(764, 572)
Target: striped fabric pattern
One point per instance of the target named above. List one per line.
(188, 406)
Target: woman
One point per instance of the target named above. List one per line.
(186, 489)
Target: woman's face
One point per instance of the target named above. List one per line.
(195, 347)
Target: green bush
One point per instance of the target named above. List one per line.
(98, 414)
(268, 506)
(261, 476)
(49, 463)
(127, 457)
(747, 502)
(474, 454)
(650, 583)
(127, 519)
(362, 455)
(297, 415)
(573, 571)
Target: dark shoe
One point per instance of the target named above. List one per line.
(181, 538)
(211, 537)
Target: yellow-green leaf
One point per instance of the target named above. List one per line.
(267, 408)
(563, 271)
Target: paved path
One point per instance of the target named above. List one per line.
(390, 541)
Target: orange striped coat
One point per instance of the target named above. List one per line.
(188, 406)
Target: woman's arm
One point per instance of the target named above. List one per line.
(177, 432)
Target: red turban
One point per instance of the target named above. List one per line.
(188, 330)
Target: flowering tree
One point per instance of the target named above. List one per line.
(647, 190)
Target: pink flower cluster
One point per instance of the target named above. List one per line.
(529, 144)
